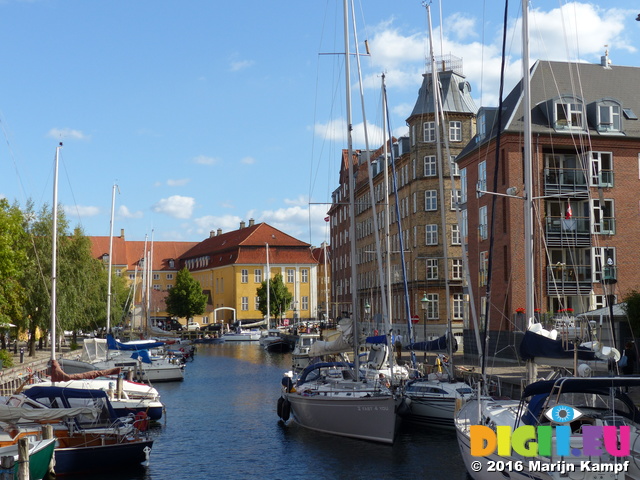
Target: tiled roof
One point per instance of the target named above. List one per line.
(126, 252)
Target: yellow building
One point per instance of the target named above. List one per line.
(231, 267)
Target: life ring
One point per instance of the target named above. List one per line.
(141, 421)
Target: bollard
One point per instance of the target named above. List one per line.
(21, 354)
(15, 347)
(23, 458)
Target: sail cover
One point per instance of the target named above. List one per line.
(437, 345)
(344, 343)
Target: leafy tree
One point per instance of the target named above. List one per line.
(631, 307)
(186, 299)
(279, 296)
(13, 256)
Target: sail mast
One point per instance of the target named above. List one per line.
(528, 179)
(353, 283)
(113, 205)
(54, 253)
(268, 291)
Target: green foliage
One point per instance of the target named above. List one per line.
(6, 358)
(631, 307)
(13, 255)
(186, 299)
(279, 296)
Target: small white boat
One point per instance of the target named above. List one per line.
(242, 336)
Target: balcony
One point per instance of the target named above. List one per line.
(565, 180)
(568, 232)
(563, 279)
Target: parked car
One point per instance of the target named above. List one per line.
(211, 328)
(193, 326)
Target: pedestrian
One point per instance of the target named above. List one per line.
(630, 353)
(398, 345)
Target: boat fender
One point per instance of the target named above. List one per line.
(141, 421)
(286, 410)
(279, 407)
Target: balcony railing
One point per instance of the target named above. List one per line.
(565, 180)
(563, 279)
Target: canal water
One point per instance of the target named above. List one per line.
(221, 423)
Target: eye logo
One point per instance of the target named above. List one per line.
(563, 414)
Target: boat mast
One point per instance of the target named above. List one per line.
(353, 284)
(528, 180)
(113, 205)
(54, 253)
(268, 291)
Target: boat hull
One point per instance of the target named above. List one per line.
(367, 418)
(86, 460)
(241, 337)
(438, 412)
(40, 455)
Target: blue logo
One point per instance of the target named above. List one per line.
(563, 414)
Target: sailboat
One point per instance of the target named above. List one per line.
(272, 339)
(561, 418)
(332, 397)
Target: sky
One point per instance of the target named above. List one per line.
(209, 113)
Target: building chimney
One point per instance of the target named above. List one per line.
(251, 222)
(219, 232)
(122, 233)
(605, 61)
(211, 234)
(242, 224)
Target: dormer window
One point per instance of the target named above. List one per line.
(172, 263)
(609, 117)
(568, 114)
(105, 257)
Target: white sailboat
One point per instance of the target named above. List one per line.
(567, 406)
(332, 397)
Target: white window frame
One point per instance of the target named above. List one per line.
(483, 223)
(431, 234)
(455, 131)
(432, 270)
(429, 132)
(430, 200)
(430, 166)
(244, 275)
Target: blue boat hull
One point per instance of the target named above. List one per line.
(86, 460)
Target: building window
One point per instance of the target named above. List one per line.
(304, 303)
(429, 132)
(609, 118)
(169, 286)
(455, 170)
(455, 197)
(156, 276)
(290, 275)
(603, 217)
(118, 272)
(132, 276)
(257, 275)
(430, 166)
(601, 169)
(157, 287)
(568, 114)
(455, 131)
(484, 268)
(455, 234)
(257, 303)
(463, 185)
(483, 226)
(244, 275)
(458, 306)
(430, 200)
(244, 304)
(456, 269)
(304, 274)
(431, 234)
(172, 263)
(432, 268)
(482, 177)
(433, 307)
(169, 276)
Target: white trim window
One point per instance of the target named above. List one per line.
(432, 268)
(456, 269)
(433, 307)
(463, 185)
(429, 132)
(458, 306)
(304, 274)
(244, 304)
(483, 225)
(244, 275)
(609, 119)
(568, 114)
(430, 200)
(482, 177)
(257, 275)
(430, 166)
(431, 234)
(290, 275)
(455, 131)
(455, 234)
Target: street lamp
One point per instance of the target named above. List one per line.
(367, 311)
(424, 303)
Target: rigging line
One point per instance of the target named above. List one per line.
(495, 188)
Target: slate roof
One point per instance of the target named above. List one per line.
(456, 95)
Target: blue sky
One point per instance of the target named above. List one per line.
(208, 113)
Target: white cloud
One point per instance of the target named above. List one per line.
(240, 65)
(178, 182)
(81, 210)
(205, 160)
(67, 133)
(248, 161)
(175, 206)
(336, 131)
(124, 212)
(204, 225)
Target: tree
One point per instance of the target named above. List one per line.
(631, 307)
(186, 299)
(279, 296)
